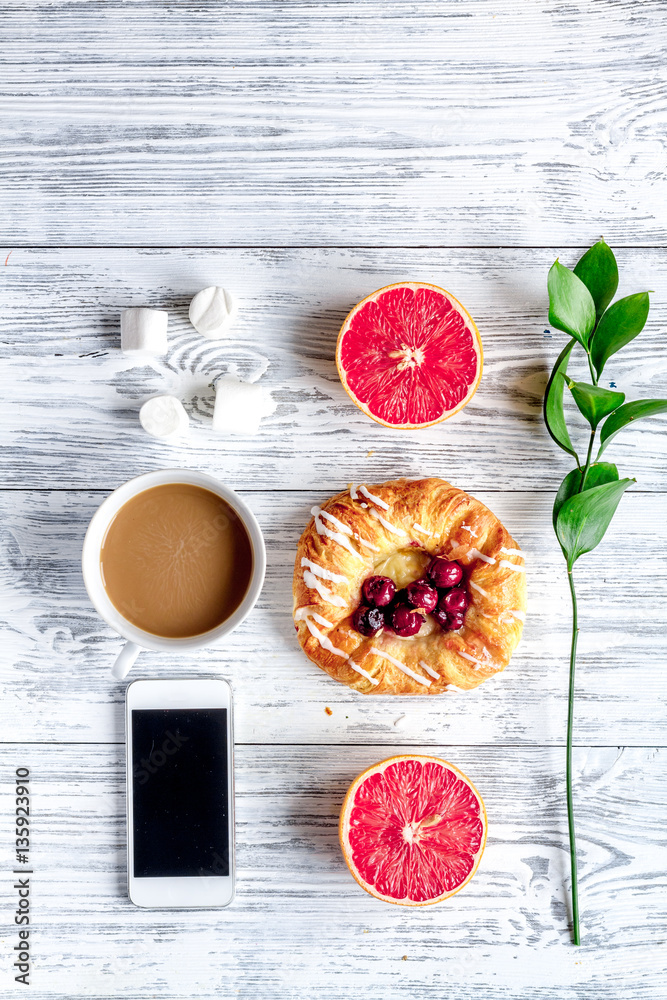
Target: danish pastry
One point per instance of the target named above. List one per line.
(409, 587)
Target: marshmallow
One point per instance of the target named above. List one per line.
(239, 406)
(164, 417)
(212, 311)
(143, 332)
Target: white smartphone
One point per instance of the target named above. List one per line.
(180, 793)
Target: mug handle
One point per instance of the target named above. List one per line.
(125, 660)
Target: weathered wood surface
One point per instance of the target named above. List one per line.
(300, 927)
(58, 652)
(70, 399)
(329, 125)
(397, 123)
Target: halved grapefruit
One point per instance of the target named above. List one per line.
(409, 355)
(412, 830)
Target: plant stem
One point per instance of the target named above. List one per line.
(570, 705)
(570, 719)
(588, 463)
(570, 808)
(570, 710)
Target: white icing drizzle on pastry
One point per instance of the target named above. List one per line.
(348, 531)
(369, 545)
(478, 663)
(355, 496)
(507, 617)
(521, 615)
(517, 569)
(466, 527)
(476, 554)
(390, 527)
(364, 673)
(371, 496)
(360, 670)
(476, 586)
(335, 536)
(401, 666)
(429, 670)
(313, 583)
(326, 574)
(508, 564)
(334, 520)
(418, 527)
(326, 643)
(304, 613)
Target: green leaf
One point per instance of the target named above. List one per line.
(571, 306)
(599, 272)
(594, 402)
(554, 416)
(601, 472)
(583, 519)
(620, 324)
(625, 414)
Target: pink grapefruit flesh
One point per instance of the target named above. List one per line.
(412, 830)
(409, 355)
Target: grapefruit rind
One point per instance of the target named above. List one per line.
(470, 324)
(344, 822)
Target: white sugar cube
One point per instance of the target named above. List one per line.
(212, 311)
(143, 332)
(239, 406)
(164, 417)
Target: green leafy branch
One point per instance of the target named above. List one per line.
(579, 305)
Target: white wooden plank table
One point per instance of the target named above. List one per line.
(303, 155)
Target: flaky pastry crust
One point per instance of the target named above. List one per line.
(359, 529)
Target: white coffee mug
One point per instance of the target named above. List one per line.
(136, 637)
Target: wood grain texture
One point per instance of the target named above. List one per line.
(300, 926)
(278, 129)
(58, 652)
(71, 400)
(394, 123)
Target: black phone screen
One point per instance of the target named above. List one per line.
(179, 792)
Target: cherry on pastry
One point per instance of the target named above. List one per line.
(449, 621)
(442, 619)
(404, 620)
(368, 621)
(454, 601)
(379, 591)
(421, 594)
(456, 620)
(443, 573)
